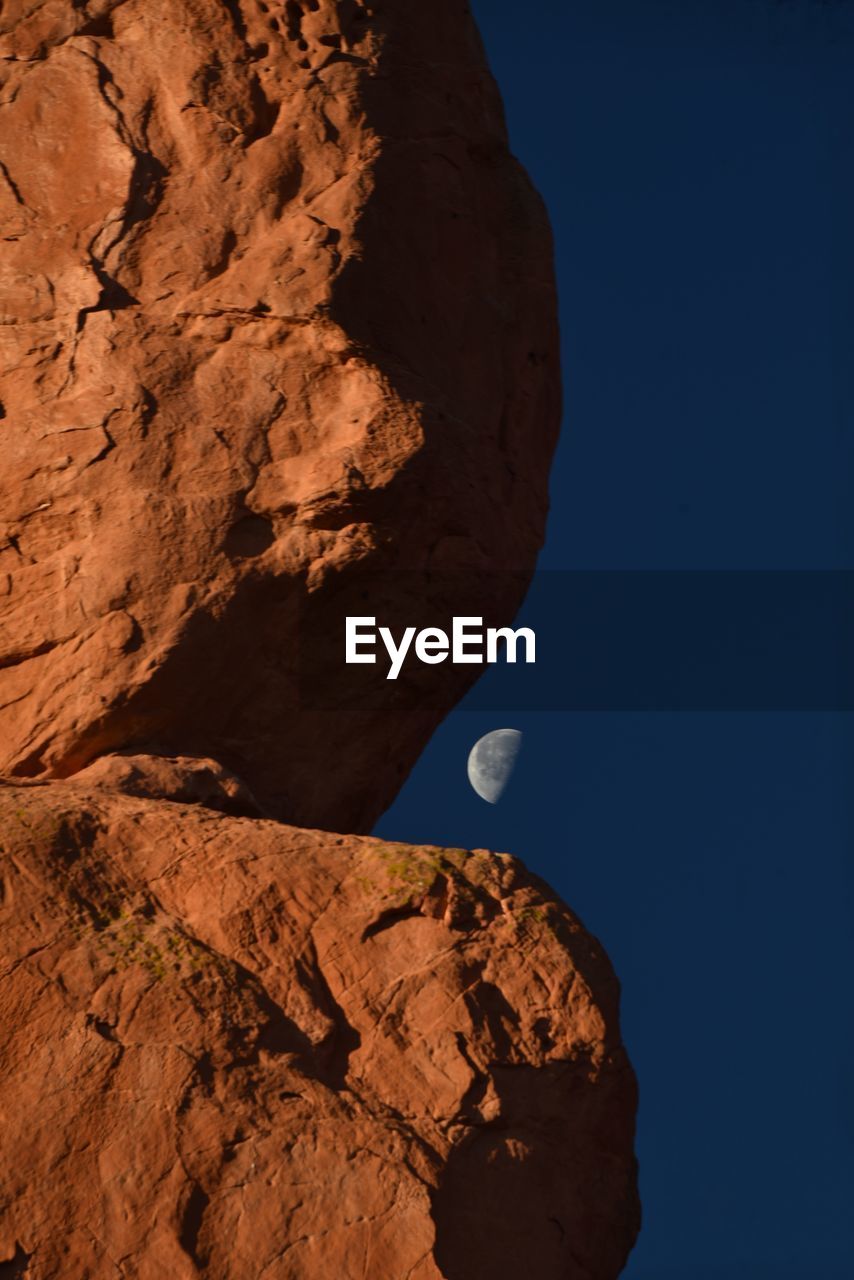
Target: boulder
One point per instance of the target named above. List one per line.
(279, 344)
(236, 1049)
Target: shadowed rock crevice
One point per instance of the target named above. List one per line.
(334, 1051)
(234, 9)
(387, 919)
(191, 1222)
(249, 536)
(16, 1267)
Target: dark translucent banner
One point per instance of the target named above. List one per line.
(605, 641)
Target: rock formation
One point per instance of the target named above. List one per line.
(279, 314)
(279, 344)
(241, 1050)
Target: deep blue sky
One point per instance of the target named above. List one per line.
(697, 160)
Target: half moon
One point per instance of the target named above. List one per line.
(491, 762)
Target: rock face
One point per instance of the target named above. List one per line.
(279, 345)
(233, 1049)
(279, 314)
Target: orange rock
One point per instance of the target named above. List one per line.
(236, 1049)
(279, 343)
(279, 313)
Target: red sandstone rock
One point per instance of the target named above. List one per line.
(243, 1051)
(279, 340)
(279, 313)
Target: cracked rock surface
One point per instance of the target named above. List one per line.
(278, 312)
(233, 1048)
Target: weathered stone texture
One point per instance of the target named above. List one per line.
(278, 311)
(237, 1049)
